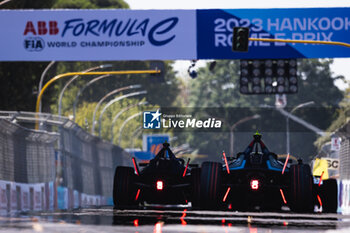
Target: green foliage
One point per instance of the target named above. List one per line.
(342, 119)
(18, 85)
(218, 94)
(128, 135)
(66, 4)
(316, 83)
(158, 94)
(28, 4)
(90, 4)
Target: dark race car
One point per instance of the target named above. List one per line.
(165, 180)
(256, 179)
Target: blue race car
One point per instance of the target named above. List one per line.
(256, 179)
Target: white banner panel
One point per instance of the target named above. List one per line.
(25, 201)
(38, 196)
(90, 35)
(13, 196)
(3, 197)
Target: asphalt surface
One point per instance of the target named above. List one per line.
(107, 219)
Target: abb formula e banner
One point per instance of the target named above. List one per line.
(80, 35)
(214, 32)
(72, 35)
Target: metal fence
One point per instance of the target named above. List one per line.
(68, 154)
(344, 153)
(26, 156)
(344, 158)
(88, 162)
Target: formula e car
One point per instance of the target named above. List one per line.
(258, 180)
(165, 180)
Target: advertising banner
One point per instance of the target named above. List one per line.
(84, 200)
(62, 198)
(3, 197)
(38, 196)
(13, 196)
(344, 196)
(335, 143)
(90, 200)
(70, 35)
(25, 201)
(214, 32)
(51, 195)
(333, 164)
(118, 34)
(76, 199)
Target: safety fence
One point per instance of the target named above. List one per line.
(59, 166)
(344, 151)
(88, 162)
(344, 168)
(26, 156)
(344, 158)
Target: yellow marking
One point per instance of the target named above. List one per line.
(320, 165)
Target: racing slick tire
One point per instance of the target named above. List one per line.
(210, 185)
(196, 179)
(301, 196)
(123, 188)
(329, 196)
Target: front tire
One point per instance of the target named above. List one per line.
(123, 187)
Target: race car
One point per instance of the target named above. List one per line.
(257, 180)
(165, 180)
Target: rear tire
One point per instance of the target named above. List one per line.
(123, 187)
(329, 196)
(210, 185)
(301, 188)
(196, 179)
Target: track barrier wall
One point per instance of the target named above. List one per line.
(60, 166)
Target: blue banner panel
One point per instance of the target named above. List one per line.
(154, 142)
(214, 32)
